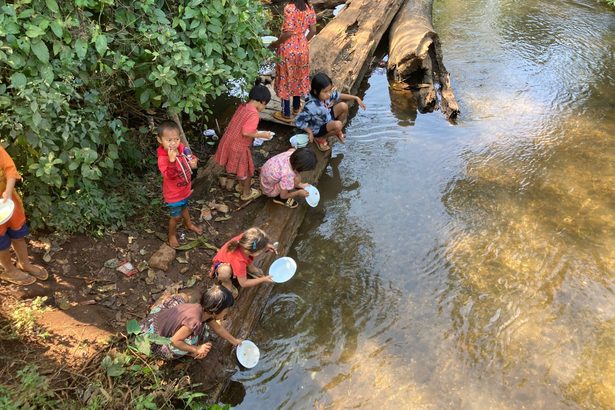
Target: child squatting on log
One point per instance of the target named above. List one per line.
(186, 323)
(281, 179)
(324, 112)
(236, 258)
(176, 162)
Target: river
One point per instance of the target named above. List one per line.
(462, 266)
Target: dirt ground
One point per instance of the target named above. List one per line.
(89, 301)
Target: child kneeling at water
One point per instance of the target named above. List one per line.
(236, 258)
(281, 179)
(324, 112)
(185, 323)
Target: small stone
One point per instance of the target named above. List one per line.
(184, 269)
(162, 258)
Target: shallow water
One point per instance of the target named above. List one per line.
(466, 266)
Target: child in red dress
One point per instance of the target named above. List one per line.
(235, 259)
(234, 152)
(176, 169)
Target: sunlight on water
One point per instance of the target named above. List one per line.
(467, 266)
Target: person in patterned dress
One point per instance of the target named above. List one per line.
(293, 69)
(234, 152)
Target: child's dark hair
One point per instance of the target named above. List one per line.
(320, 81)
(301, 4)
(259, 92)
(167, 125)
(216, 299)
(252, 240)
(303, 159)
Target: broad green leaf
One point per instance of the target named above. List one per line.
(132, 326)
(101, 44)
(81, 48)
(18, 80)
(46, 73)
(52, 5)
(159, 340)
(56, 27)
(143, 345)
(34, 31)
(40, 51)
(115, 370)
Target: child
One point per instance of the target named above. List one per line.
(176, 178)
(13, 231)
(234, 153)
(184, 322)
(293, 67)
(280, 178)
(324, 114)
(235, 259)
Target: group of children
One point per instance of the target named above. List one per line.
(323, 115)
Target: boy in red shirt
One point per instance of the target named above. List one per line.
(13, 231)
(176, 166)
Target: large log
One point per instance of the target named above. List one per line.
(343, 49)
(415, 58)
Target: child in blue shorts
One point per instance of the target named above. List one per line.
(176, 162)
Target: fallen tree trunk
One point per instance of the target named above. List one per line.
(415, 58)
(343, 49)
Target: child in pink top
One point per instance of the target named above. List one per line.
(281, 179)
(234, 152)
(236, 258)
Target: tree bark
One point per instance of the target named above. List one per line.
(343, 49)
(415, 58)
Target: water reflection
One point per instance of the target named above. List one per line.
(468, 266)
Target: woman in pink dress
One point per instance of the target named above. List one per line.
(293, 70)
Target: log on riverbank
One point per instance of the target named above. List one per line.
(415, 58)
(343, 49)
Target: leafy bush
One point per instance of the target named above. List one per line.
(73, 73)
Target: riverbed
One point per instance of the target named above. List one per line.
(468, 265)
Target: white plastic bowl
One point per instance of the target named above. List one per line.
(283, 269)
(248, 354)
(268, 40)
(299, 140)
(314, 196)
(6, 210)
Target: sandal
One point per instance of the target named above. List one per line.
(289, 203)
(40, 273)
(322, 144)
(18, 277)
(281, 117)
(254, 193)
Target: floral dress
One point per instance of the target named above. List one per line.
(234, 151)
(293, 70)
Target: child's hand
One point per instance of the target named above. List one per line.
(193, 162)
(236, 342)
(268, 279)
(172, 154)
(303, 193)
(266, 135)
(202, 351)
(272, 248)
(360, 102)
(310, 135)
(6, 195)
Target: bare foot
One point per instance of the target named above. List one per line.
(37, 271)
(341, 137)
(196, 229)
(173, 243)
(17, 277)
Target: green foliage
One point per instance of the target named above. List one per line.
(23, 319)
(73, 73)
(31, 392)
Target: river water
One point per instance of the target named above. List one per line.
(469, 265)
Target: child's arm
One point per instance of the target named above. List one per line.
(10, 184)
(257, 134)
(248, 283)
(223, 333)
(348, 97)
(177, 340)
